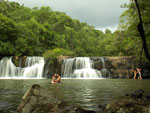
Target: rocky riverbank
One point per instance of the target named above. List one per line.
(136, 102)
(39, 100)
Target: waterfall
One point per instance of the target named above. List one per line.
(79, 67)
(33, 68)
(104, 71)
(8, 69)
(67, 67)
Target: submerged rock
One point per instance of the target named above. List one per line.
(39, 100)
(147, 97)
(137, 94)
(135, 103)
(128, 106)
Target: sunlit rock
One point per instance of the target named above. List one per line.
(39, 100)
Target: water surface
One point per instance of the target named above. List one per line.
(88, 93)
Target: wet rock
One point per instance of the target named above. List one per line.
(62, 105)
(148, 97)
(102, 106)
(126, 94)
(90, 111)
(131, 104)
(128, 106)
(39, 100)
(137, 94)
(50, 68)
(125, 62)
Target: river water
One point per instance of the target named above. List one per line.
(88, 93)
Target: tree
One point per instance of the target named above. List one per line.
(7, 35)
(130, 21)
(142, 32)
(107, 31)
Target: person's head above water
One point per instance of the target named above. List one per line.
(56, 75)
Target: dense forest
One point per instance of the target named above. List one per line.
(44, 32)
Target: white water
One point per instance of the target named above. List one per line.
(79, 67)
(104, 70)
(67, 67)
(33, 69)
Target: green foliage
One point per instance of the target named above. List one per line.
(41, 31)
(52, 55)
(7, 26)
(128, 23)
(107, 31)
(7, 35)
(34, 31)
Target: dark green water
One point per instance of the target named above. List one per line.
(84, 92)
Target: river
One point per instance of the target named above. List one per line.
(88, 93)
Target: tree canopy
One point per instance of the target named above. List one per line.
(42, 31)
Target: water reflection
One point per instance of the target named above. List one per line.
(86, 93)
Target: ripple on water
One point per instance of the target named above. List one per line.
(86, 93)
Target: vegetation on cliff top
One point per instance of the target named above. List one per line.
(41, 31)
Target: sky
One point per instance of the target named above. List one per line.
(101, 14)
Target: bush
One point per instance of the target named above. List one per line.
(52, 55)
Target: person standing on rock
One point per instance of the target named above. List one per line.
(138, 70)
(135, 73)
(55, 78)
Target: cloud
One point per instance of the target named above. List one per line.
(112, 28)
(99, 13)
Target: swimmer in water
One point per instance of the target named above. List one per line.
(55, 78)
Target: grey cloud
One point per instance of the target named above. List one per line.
(99, 13)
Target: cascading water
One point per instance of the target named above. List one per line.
(79, 67)
(8, 69)
(104, 71)
(67, 68)
(33, 68)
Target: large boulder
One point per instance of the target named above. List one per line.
(123, 62)
(39, 100)
(19, 61)
(116, 67)
(50, 68)
(137, 94)
(128, 106)
(120, 73)
(130, 103)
